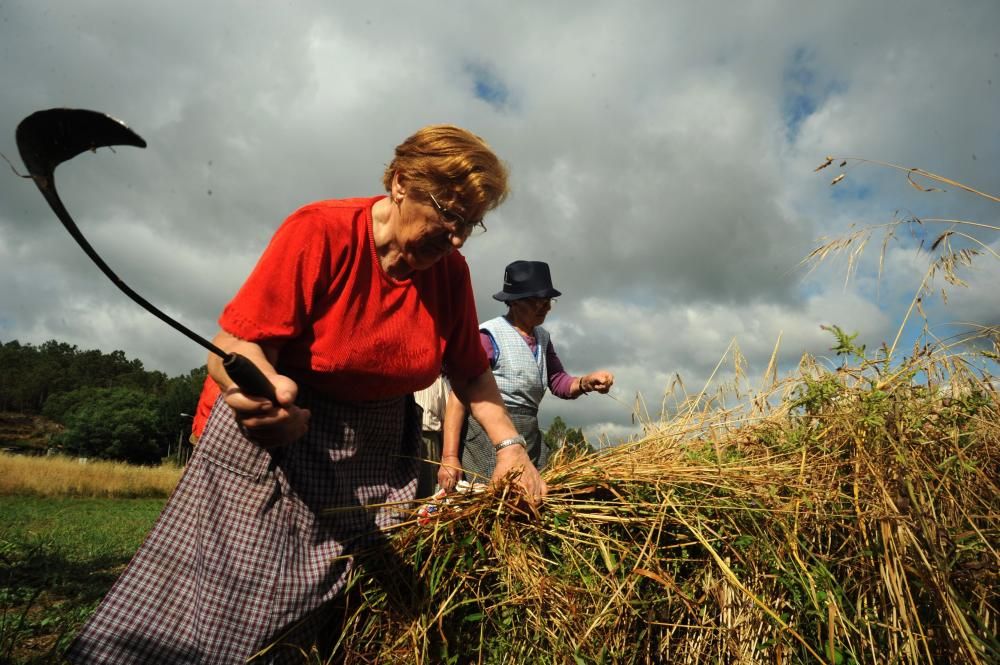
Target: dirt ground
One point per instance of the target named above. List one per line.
(26, 433)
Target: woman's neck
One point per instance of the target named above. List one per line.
(389, 255)
(520, 325)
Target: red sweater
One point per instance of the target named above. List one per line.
(345, 327)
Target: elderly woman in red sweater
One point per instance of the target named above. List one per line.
(354, 305)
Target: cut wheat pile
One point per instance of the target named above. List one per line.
(853, 520)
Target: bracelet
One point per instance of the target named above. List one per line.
(583, 391)
(513, 441)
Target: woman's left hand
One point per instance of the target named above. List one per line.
(515, 458)
(599, 381)
(482, 394)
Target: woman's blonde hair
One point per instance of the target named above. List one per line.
(456, 166)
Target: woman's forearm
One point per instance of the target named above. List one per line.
(484, 401)
(454, 417)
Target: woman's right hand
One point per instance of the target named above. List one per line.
(266, 424)
(449, 472)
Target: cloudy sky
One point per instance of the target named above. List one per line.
(662, 157)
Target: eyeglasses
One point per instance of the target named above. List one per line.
(539, 302)
(458, 225)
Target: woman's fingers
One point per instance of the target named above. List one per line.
(285, 389)
(447, 480)
(601, 381)
(532, 485)
(449, 472)
(247, 405)
(266, 424)
(277, 427)
(292, 418)
(515, 458)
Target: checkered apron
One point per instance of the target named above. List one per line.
(250, 547)
(521, 376)
(478, 457)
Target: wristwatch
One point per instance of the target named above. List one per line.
(512, 441)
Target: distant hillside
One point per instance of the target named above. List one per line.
(95, 404)
(26, 433)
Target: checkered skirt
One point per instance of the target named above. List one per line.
(250, 546)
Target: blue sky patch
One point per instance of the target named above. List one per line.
(489, 87)
(797, 109)
(846, 191)
(803, 90)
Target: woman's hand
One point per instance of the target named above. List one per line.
(450, 472)
(266, 424)
(483, 397)
(599, 381)
(530, 482)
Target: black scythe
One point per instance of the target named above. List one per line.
(48, 138)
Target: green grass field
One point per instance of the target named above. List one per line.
(58, 557)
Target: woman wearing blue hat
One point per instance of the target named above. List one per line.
(524, 363)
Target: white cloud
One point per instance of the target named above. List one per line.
(661, 157)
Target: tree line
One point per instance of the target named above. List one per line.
(113, 408)
(560, 435)
(110, 406)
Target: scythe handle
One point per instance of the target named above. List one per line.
(249, 377)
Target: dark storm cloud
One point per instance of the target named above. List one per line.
(661, 159)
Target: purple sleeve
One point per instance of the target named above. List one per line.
(560, 383)
(489, 346)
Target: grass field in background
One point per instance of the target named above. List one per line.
(58, 557)
(56, 476)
